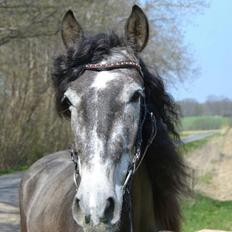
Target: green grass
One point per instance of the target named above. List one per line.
(207, 178)
(191, 146)
(205, 122)
(188, 147)
(12, 170)
(202, 212)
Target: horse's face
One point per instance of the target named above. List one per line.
(105, 112)
(105, 115)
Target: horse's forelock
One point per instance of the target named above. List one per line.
(68, 67)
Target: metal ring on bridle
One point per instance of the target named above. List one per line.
(74, 158)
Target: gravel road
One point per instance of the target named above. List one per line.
(9, 212)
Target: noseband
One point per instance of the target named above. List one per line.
(139, 154)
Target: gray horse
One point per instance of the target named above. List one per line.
(127, 173)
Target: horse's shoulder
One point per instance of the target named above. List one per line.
(51, 159)
(47, 166)
(47, 183)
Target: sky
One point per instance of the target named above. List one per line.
(209, 37)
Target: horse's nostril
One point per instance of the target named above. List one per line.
(77, 202)
(77, 206)
(109, 210)
(87, 219)
(110, 203)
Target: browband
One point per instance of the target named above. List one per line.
(110, 66)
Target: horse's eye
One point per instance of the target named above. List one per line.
(135, 97)
(66, 101)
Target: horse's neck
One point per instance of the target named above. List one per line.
(142, 201)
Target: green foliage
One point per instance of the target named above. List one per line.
(202, 212)
(205, 122)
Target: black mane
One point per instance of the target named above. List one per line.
(165, 167)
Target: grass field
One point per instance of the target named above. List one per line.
(189, 147)
(202, 212)
(13, 170)
(205, 122)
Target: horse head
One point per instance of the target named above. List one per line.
(101, 88)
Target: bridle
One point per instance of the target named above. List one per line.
(139, 154)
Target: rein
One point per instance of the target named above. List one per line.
(139, 154)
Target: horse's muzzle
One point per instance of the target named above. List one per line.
(94, 211)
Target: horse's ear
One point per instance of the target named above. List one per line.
(71, 31)
(137, 29)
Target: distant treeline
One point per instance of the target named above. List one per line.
(213, 106)
(205, 122)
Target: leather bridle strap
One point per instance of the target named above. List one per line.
(116, 65)
(110, 66)
(139, 155)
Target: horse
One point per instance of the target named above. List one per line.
(123, 172)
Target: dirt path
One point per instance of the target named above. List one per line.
(198, 136)
(9, 213)
(213, 167)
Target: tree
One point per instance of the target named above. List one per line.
(28, 41)
(169, 53)
(33, 19)
(213, 106)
